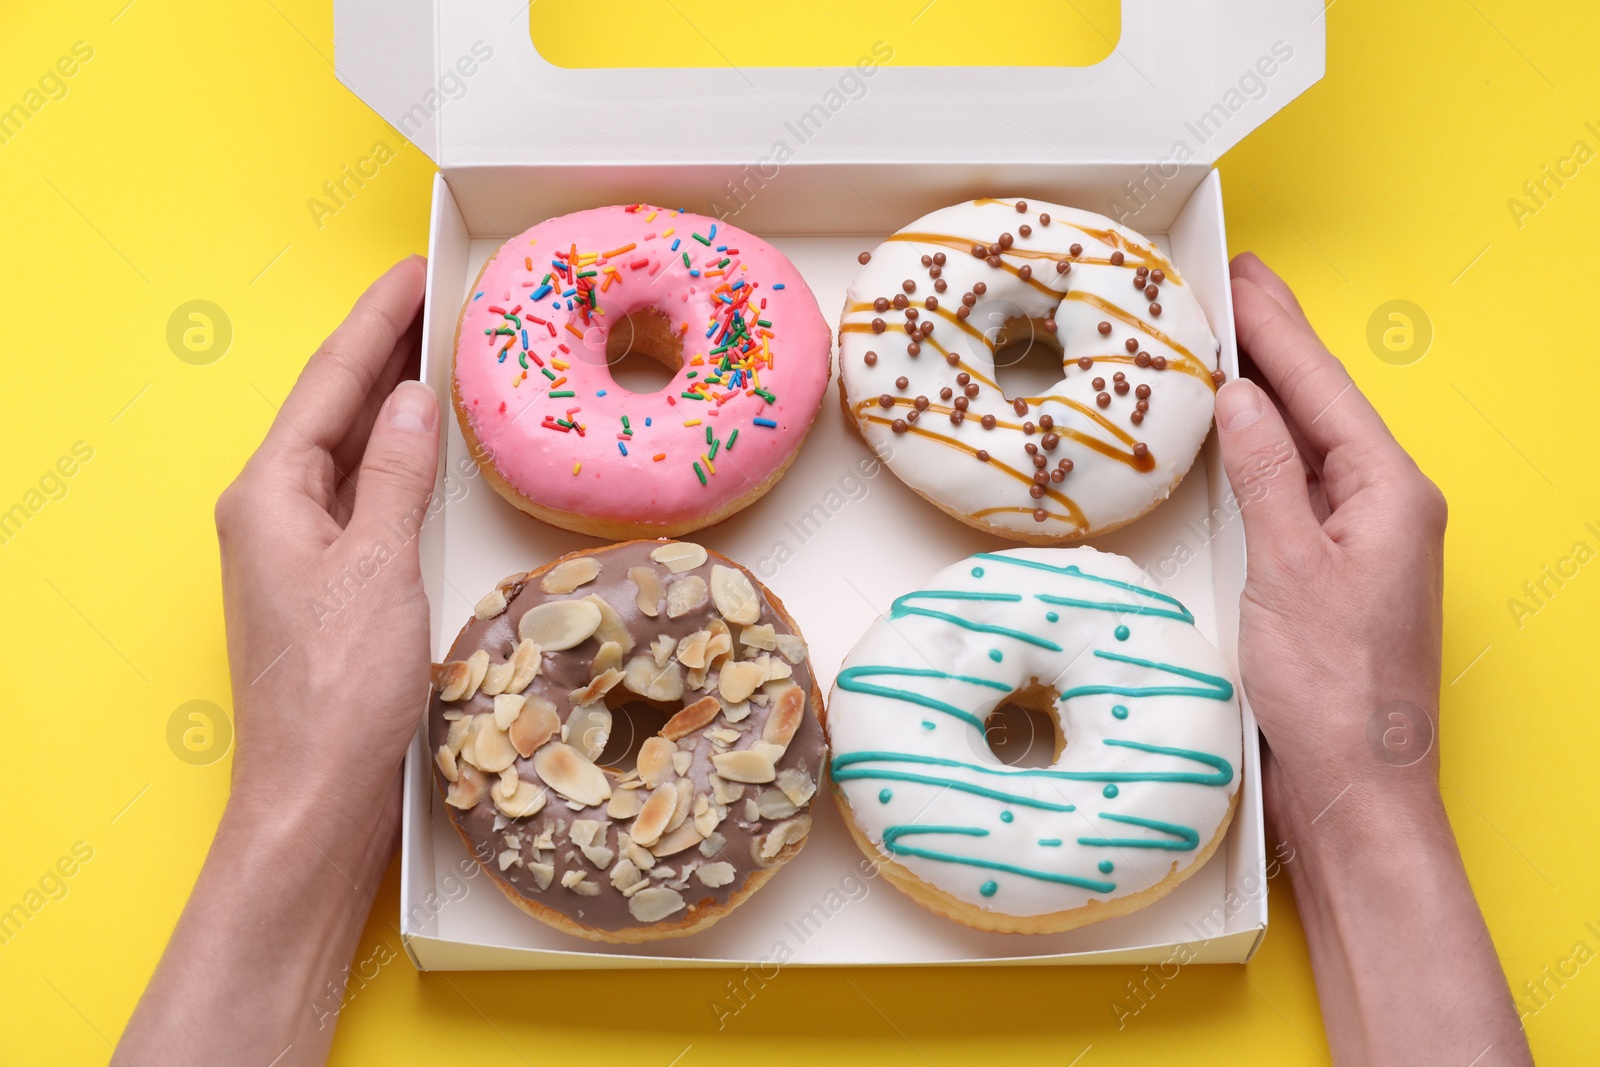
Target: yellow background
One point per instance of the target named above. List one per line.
(178, 166)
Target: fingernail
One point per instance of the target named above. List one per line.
(1239, 403)
(412, 407)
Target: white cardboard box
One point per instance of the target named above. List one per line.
(1134, 136)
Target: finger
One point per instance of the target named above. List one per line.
(401, 458)
(1319, 395)
(1263, 468)
(403, 364)
(326, 400)
(1310, 458)
(1249, 265)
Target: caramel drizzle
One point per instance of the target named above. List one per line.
(1110, 237)
(1143, 465)
(1186, 362)
(1076, 514)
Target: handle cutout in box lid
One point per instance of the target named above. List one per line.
(651, 34)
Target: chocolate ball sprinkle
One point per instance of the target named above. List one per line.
(963, 311)
(1084, 362)
(1025, 272)
(1040, 461)
(1158, 362)
(913, 349)
(1044, 218)
(1050, 441)
(881, 304)
(1136, 417)
(952, 358)
(945, 393)
(993, 261)
(878, 325)
(900, 301)
(1036, 491)
(1142, 392)
(1019, 406)
(1103, 399)
(931, 303)
(1098, 383)
(870, 359)
(1218, 377)
(1040, 514)
(898, 426)
(1158, 276)
(1006, 240)
(864, 258)
(1155, 310)
(956, 417)
(901, 382)
(1049, 325)
(1142, 359)
(1065, 464)
(1022, 205)
(982, 455)
(940, 285)
(1025, 230)
(1105, 329)
(1062, 266)
(934, 272)
(927, 261)
(1142, 405)
(1076, 250)
(926, 328)
(1131, 344)
(1141, 449)
(1031, 449)
(1029, 428)
(979, 251)
(1150, 292)
(967, 299)
(980, 287)
(971, 389)
(1121, 388)
(913, 415)
(1057, 476)
(921, 403)
(939, 259)
(1116, 259)
(961, 403)
(886, 401)
(963, 378)
(1046, 422)
(911, 314)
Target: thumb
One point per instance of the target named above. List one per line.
(1263, 467)
(402, 456)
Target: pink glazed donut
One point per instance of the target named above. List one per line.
(557, 306)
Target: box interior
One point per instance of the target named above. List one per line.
(804, 540)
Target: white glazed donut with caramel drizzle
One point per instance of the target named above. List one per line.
(933, 303)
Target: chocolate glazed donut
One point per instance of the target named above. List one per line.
(521, 720)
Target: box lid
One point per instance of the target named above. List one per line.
(1186, 81)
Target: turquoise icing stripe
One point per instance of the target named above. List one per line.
(891, 841)
(1217, 688)
(1073, 571)
(1187, 840)
(1120, 609)
(900, 609)
(843, 764)
(849, 679)
(949, 783)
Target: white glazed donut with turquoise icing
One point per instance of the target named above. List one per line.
(1138, 799)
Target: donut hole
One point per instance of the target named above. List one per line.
(1023, 731)
(631, 723)
(1027, 357)
(643, 352)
